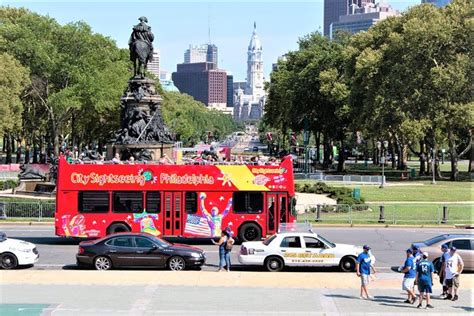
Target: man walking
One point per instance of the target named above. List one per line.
(454, 266)
(441, 269)
(363, 265)
(409, 268)
(424, 277)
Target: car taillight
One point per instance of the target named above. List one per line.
(81, 250)
(243, 250)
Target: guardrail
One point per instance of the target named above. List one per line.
(428, 213)
(28, 211)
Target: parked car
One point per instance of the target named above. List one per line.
(138, 250)
(304, 249)
(464, 244)
(15, 252)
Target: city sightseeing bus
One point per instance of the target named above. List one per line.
(95, 200)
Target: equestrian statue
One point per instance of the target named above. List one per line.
(141, 47)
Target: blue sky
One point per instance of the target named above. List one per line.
(177, 24)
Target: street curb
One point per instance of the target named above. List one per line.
(6, 223)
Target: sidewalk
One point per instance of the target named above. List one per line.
(334, 280)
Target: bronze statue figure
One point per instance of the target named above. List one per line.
(141, 47)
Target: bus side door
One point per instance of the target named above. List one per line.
(173, 213)
(277, 211)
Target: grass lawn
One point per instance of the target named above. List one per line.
(398, 214)
(415, 191)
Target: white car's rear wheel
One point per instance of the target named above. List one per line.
(8, 261)
(274, 264)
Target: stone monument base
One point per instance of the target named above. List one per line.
(34, 187)
(156, 150)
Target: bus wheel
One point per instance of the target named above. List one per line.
(117, 228)
(274, 264)
(348, 264)
(8, 261)
(176, 263)
(250, 232)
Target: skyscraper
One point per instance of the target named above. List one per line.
(154, 66)
(333, 9)
(438, 3)
(204, 82)
(201, 54)
(362, 18)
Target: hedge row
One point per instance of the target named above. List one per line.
(341, 194)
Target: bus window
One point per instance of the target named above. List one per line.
(153, 202)
(191, 203)
(127, 202)
(93, 202)
(248, 202)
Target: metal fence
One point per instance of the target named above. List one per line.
(421, 213)
(30, 211)
(428, 213)
(340, 178)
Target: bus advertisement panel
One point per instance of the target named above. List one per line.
(94, 200)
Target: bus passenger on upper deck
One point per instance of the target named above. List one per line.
(116, 159)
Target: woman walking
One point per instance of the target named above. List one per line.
(225, 244)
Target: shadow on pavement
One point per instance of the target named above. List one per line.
(465, 308)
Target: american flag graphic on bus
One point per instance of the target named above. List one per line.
(197, 225)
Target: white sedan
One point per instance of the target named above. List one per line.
(298, 249)
(14, 252)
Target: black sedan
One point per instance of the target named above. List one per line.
(138, 250)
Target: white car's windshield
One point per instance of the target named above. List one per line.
(327, 242)
(268, 240)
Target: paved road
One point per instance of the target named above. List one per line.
(388, 244)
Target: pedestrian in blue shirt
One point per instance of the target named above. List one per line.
(424, 276)
(409, 269)
(441, 268)
(363, 266)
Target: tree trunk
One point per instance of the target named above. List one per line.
(454, 156)
(8, 149)
(12, 144)
(35, 149)
(423, 158)
(318, 145)
(392, 153)
(18, 151)
(327, 153)
(341, 158)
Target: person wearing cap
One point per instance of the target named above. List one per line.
(442, 261)
(363, 266)
(424, 277)
(409, 269)
(454, 266)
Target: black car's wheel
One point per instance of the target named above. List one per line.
(176, 263)
(274, 264)
(117, 228)
(102, 263)
(250, 232)
(8, 261)
(348, 264)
